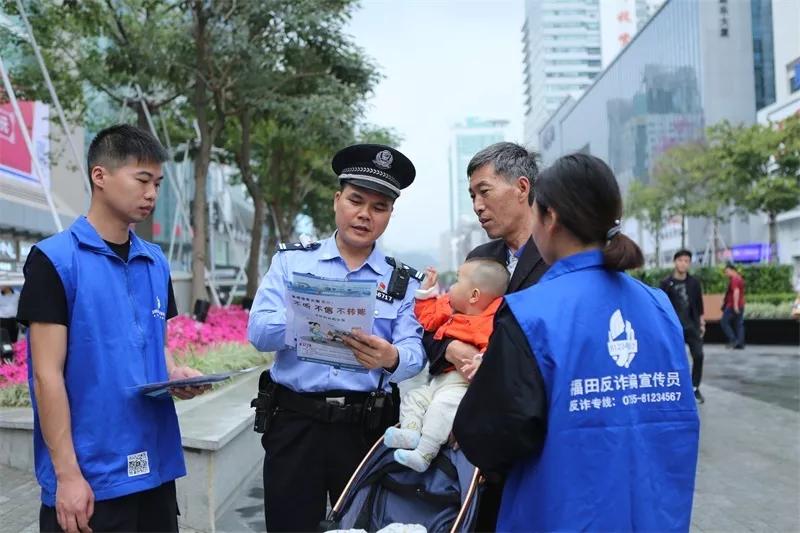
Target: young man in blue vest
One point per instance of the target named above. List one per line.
(97, 298)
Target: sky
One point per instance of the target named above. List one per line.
(442, 61)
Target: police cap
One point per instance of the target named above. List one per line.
(374, 166)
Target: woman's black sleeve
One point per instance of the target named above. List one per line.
(503, 416)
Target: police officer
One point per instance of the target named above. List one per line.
(319, 421)
(591, 410)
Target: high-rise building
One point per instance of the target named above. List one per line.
(467, 139)
(763, 52)
(786, 72)
(567, 43)
(562, 55)
(664, 89)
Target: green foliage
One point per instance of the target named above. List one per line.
(760, 168)
(773, 298)
(766, 279)
(768, 311)
(752, 169)
(221, 358)
(682, 173)
(760, 164)
(651, 276)
(647, 203)
(772, 281)
(91, 49)
(225, 358)
(712, 279)
(15, 396)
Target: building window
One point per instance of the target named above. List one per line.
(794, 80)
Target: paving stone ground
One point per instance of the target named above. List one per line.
(748, 475)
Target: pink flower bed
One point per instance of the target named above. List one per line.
(222, 326)
(17, 371)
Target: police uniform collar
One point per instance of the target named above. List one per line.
(329, 250)
(88, 237)
(572, 263)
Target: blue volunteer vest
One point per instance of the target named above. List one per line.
(125, 442)
(622, 429)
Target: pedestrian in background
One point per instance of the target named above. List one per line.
(732, 321)
(9, 299)
(686, 295)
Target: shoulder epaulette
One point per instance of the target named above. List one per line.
(297, 246)
(419, 276)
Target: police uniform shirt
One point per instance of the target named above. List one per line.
(394, 321)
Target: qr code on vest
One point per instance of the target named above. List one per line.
(138, 464)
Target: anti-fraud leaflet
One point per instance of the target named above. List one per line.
(322, 311)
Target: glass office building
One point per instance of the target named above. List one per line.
(763, 52)
(690, 67)
(672, 81)
(467, 139)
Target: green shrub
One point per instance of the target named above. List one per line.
(765, 279)
(712, 279)
(759, 279)
(651, 276)
(776, 298)
(15, 396)
(220, 358)
(768, 311)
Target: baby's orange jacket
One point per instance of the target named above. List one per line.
(436, 315)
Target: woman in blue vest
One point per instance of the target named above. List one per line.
(584, 396)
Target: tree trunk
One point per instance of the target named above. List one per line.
(683, 232)
(658, 247)
(203, 157)
(144, 229)
(257, 235)
(257, 231)
(773, 237)
(714, 241)
(272, 235)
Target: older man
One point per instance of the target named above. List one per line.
(500, 184)
(501, 180)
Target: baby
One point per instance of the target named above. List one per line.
(466, 313)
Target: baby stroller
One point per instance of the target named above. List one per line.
(381, 492)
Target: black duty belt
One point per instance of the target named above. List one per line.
(330, 407)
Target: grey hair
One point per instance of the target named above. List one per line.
(510, 160)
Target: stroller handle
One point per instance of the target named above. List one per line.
(477, 479)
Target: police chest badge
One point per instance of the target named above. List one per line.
(382, 295)
(384, 159)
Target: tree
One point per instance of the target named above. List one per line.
(647, 203)
(300, 102)
(103, 47)
(258, 68)
(682, 171)
(760, 166)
